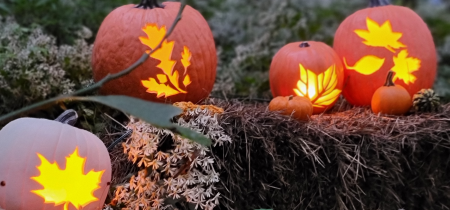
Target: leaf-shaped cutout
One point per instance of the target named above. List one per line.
(404, 66)
(154, 35)
(164, 55)
(186, 80)
(186, 58)
(160, 89)
(162, 78)
(70, 185)
(380, 36)
(367, 65)
(319, 88)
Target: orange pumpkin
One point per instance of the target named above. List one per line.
(301, 108)
(47, 165)
(308, 69)
(391, 99)
(183, 69)
(381, 38)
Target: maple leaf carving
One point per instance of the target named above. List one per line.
(160, 89)
(70, 185)
(367, 65)
(380, 36)
(319, 88)
(404, 66)
(164, 54)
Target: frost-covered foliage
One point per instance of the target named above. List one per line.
(165, 159)
(33, 67)
(437, 17)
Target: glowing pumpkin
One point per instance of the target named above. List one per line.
(308, 69)
(183, 69)
(50, 165)
(384, 37)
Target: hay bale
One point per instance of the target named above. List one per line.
(346, 159)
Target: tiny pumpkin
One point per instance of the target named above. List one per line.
(301, 108)
(309, 69)
(182, 69)
(46, 164)
(391, 99)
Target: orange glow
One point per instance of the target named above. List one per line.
(164, 54)
(70, 185)
(367, 65)
(320, 89)
(380, 36)
(404, 66)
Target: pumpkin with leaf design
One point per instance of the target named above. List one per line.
(309, 69)
(183, 69)
(52, 165)
(381, 38)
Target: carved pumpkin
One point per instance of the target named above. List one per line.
(301, 108)
(309, 69)
(183, 69)
(391, 98)
(47, 165)
(384, 37)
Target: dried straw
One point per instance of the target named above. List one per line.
(348, 158)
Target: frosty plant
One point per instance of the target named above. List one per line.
(181, 173)
(156, 114)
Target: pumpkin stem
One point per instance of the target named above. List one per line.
(304, 44)
(378, 3)
(389, 81)
(149, 4)
(290, 97)
(69, 117)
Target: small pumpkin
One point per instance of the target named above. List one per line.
(308, 69)
(301, 108)
(391, 99)
(46, 164)
(183, 69)
(384, 37)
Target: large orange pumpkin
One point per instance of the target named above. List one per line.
(384, 37)
(48, 165)
(308, 69)
(184, 69)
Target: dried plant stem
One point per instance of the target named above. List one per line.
(50, 102)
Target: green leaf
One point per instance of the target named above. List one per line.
(190, 134)
(157, 114)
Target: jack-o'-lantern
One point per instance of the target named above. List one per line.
(183, 69)
(381, 38)
(308, 69)
(50, 165)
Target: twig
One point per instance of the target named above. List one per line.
(49, 102)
